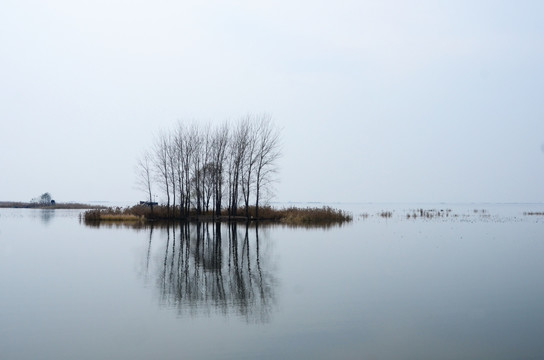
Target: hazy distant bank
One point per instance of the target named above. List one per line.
(31, 205)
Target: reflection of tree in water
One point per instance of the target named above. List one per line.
(46, 215)
(208, 268)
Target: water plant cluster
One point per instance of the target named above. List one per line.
(386, 214)
(446, 214)
(428, 214)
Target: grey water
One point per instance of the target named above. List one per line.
(464, 282)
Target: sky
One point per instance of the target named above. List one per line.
(378, 101)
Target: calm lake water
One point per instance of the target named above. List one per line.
(463, 283)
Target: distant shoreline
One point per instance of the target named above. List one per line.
(30, 205)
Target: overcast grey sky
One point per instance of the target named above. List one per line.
(381, 101)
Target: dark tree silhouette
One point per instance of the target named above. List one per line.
(195, 166)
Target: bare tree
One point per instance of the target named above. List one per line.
(161, 160)
(220, 144)
(179, 148)
(239, 144)
(172, 158)
(268, 152)
(144, 176)
(45, 199)
(185, 148)
(205, 156)
(195, 140)
(250, 158)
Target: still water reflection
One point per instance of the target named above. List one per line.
(47, 215)
(444, 287)
(209, 268)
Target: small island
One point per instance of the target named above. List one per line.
(215, 172)
(296, 216)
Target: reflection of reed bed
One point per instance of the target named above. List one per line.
(292, 215)
(122, 217)
(301, 225)
(133, 225)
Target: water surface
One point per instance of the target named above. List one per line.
(467, 285)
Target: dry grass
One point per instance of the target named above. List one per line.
(113, 214)
(292, 215)
(121, 217)
(323, 215)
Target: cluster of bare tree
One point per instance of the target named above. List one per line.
(44, 199)
(199, 168)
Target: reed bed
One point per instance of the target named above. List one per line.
(112, 214)
(323, 215)
(291, 215)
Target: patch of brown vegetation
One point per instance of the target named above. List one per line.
(291, 215)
